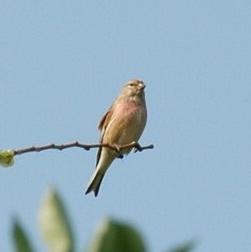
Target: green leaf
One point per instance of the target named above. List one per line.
(7, 158)
(20, 238)
(114, 236)
(54, 224)
(185, 247)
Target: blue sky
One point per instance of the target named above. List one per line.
(63, 62)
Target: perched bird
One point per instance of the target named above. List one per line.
(122, 124)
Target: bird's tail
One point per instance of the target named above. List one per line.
(95, 182)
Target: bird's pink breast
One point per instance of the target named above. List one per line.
(128, 121)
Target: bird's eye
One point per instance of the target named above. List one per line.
(131, 84)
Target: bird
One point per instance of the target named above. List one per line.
(123, 123)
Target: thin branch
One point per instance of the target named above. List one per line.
(117, 148)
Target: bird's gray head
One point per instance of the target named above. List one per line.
(134, 89)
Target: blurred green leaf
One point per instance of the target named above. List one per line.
(20, 238)
(114, 236)
(6, 158)
(54, 224)
(185, 247)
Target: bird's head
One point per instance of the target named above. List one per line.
(134, 88)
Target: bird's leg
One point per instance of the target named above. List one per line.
(118, 150)
(120, 156)
(137, 147)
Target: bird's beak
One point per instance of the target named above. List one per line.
(142, 86)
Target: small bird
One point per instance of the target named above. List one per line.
(122, 124)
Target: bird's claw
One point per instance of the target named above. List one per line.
(137, 147)
(118, 150)
(120, 156)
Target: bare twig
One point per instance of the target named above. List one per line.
(117, 148)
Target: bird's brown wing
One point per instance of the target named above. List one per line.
(105, 120)
(102, 127)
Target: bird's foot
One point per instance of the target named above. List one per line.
(118, 150)
(137, 147)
